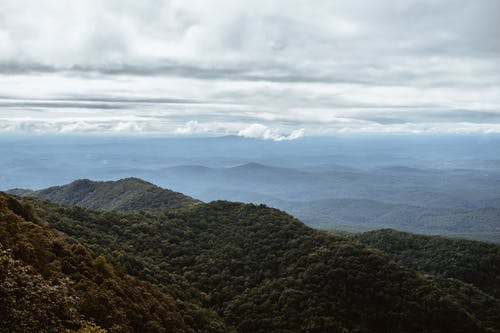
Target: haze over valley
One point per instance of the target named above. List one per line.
(446, 185)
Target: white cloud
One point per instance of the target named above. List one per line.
(194, 127)
(211, 127)
(87, 126)
(256, 131)
(113, 126)
(259, 131)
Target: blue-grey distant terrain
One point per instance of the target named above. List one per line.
(429, 184)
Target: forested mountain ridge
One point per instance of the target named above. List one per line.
(477, 263)
(123, 194)
(50, 283)
(263, 271)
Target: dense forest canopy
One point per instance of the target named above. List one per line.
(49, 282)
(227, 266)
(123, 194)
(474, 262)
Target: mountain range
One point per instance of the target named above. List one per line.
(453, 202)
(446, 211)
(187, 266)
(430, 184)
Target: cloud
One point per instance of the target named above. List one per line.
(110, 127)
(327, 67)
(259, 131)
(144, 126)
(255, 131)
(282, 41)
(194, 127)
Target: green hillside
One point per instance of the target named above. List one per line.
(474, 262)
(263, 271)
(49, 283)
(123, 194)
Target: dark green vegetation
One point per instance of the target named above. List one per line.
(473, 262)
(470, 270)
(124, 194)
(261, 270)
(49, 283)
(181, 265)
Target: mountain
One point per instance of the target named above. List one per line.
(362, 215)
(455, 202)
(51, 283)
(431, 200)
(262, 270)
(123, 194)
(424, 187)
(261, 170)
(474, 262)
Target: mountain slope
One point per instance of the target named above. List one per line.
(474, 262)
(123, 194)
(49, 283)
(31, 303)
(264, 271)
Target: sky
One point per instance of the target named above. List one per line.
(275, 70)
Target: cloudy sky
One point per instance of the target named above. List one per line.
(271, 69)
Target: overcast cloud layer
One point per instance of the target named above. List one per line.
(269, 69)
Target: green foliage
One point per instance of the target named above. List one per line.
(264, 271)
(474, 262)
(31, 303)
(67, 282)
(124, 194)
(484, 307)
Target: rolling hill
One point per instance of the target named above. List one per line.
(123, 194)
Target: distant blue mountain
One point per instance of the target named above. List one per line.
(412, 179)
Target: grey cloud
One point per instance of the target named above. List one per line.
(90, 102)
(130, 100)
(385, 62)
(52, 105)
(240, 72)
(12, 67)
(362, 74)
(469, 116)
